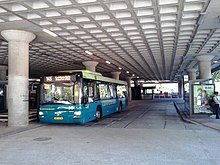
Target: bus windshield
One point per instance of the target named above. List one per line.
(60, 92)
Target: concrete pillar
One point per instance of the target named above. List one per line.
(90, 65)
(115, 75)
(18, 74)
(205, 66)
(192, 74)
(136, 83)
(129, 88)
(181, 87)
(141, 84)
(3, 70)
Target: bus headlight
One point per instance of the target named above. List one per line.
(41, 113)
(77, 113)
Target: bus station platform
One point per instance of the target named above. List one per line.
(148, 132)
(204, 120)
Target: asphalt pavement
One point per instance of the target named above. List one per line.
(149, 132)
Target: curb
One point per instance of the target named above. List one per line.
(181, 115)
(184, 118)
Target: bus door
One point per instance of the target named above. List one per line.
(91, 102)
(122, 95)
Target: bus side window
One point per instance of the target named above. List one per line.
(88, 90)
(104, 91)
(96, 92)
(118, 92)
(121, 91)
(112, 91)
(91, 91)
(107, 91)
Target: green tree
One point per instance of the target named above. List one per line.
(216, 76)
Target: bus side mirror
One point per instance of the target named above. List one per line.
(85, 99)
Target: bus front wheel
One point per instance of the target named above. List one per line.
(98, 114)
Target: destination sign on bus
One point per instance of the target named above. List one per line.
(59, 78)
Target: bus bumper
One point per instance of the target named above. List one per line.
(60, 119)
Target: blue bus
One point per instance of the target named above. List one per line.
(80, 96)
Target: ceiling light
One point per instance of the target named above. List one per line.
(119, 68)
(108, 62)
(215, 61)
(88, 52)
(127, 71)
(133, 75)
(137, 76)
(50, 32)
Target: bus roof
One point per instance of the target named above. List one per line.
(95, 76)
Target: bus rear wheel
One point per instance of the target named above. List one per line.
(98, 114)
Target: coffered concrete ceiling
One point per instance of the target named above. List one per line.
(152, 39)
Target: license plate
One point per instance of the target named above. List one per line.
(58, 118)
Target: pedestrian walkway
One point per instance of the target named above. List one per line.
(7, 131)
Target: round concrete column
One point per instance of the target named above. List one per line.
(129, 88)
(141, 84)
(181, 87)
(205, 66)
(90, 65)
(115, 75)
(136, 83)
(18, 74)
(192, 74)
(3, 70)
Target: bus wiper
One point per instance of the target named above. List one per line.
(71, 102)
